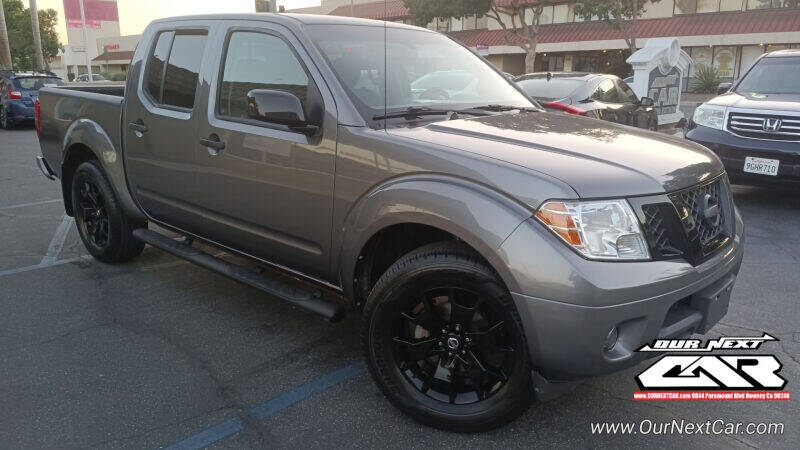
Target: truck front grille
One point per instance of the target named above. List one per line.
(682, 229)
(775, 127)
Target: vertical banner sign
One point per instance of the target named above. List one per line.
(97, 11)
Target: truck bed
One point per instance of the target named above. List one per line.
(68, 110)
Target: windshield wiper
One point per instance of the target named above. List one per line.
(416, 112)
(502, 108)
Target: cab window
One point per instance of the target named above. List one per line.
(258, 61)
(174, 67)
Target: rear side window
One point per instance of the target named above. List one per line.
(554, 89)
(156, 65)
(606, 92)
(176, 83)
(258, 61)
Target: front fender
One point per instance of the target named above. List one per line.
(476, 214)
(87, 134)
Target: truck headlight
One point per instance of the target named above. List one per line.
(597, 229)
(711, 116)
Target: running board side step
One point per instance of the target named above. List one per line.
(302, 299)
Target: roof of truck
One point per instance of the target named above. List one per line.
(305, 19)
(786, 52)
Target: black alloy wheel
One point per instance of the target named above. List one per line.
(92, 216)
(102, 224)
(453, 346)
(444, 341)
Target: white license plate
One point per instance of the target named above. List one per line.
(761, 166)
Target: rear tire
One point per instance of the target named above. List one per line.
(104, 229)
(444, 342)
(5, 122)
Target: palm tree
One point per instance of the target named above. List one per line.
(5, 50)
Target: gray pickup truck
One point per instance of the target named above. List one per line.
(496, 253)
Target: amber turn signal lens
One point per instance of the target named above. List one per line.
(556, 217)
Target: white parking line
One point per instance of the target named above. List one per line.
(42, 266)
(57, 243)
(22, 205)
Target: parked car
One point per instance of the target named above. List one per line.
(601, 96)
(18, 94)
(494, 252)
(754, 126)
(85, 78)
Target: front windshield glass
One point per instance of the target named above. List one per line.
(772, 76)
(414, 69)
(36, 83)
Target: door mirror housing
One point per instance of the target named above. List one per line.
(723, 88)
(279, 107)
(647, 101)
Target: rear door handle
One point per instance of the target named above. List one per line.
(214, 144)
(138, 126)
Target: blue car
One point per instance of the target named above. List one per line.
(18, 94)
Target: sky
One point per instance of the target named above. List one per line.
(134, 15)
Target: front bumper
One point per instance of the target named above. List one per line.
(568, 318)
(732, 150)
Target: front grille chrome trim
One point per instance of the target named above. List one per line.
(749, 124)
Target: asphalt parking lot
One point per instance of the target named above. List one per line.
(158, 352)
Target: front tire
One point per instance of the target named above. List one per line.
(444, 342)
(104, 229)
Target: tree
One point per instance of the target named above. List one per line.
(20, 34)
(519, 19)
(5, 51)
(621, 15)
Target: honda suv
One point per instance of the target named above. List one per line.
(754, 127)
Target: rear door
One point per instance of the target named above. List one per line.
(269, 192)
(160, 125)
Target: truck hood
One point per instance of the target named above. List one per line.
(596, 158)
(771, 102)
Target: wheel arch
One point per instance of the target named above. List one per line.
(86, 140)
(433, 208)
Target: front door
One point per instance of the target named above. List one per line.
(266, 190)
(160, 126)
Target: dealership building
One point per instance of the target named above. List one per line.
(728, 34)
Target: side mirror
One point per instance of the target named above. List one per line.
(647, 101)
(278, 107)
(724, 87)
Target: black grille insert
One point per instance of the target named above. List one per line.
(696, 223)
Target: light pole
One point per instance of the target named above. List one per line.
(5, 49)
(37, 37)
(86, 42)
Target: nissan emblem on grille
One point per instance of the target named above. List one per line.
(710, 210)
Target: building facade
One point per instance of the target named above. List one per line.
(102, 21)
(728, 34)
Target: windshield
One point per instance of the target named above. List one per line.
(36, 83)
(772, 76)
(413, 69)
(554, 89)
